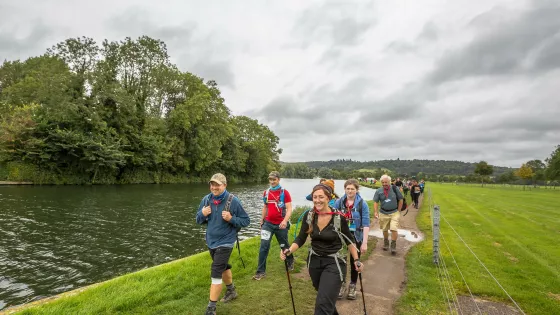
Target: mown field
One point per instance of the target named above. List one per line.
(515, 234)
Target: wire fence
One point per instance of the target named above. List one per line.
(445, 279)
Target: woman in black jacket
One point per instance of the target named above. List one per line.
(328, 231)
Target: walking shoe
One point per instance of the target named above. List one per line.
(393, 247)
(351, 291)
(259, 276)
(230, 295)
(342, 290)
(210, 310)
(291, 265)
(386, 244)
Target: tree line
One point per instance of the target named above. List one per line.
(406, 167)
(121, 112)
(533, 171)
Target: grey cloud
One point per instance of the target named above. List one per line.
(548, 57)
(401, 47)
(219, 71)
(503, 48)
(34, 43)
(204, 56)
(405, 104)
(338, 23)
(429, 33)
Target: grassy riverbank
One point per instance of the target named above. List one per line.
(513, 232)
(181, 287)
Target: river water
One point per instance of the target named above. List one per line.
(58, 238)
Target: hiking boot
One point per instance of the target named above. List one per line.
(386, 244)
(342, 290)
(210, 310)
(291, 265)
(259, 275)
(230, 295)
(393, 247)
(351, 291)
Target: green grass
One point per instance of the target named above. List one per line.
(182, 287)
(515, 234)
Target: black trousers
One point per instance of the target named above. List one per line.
(415, 198)
(353, 272)
(326, 280)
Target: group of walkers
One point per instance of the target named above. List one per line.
(416, 189)
(336, 226)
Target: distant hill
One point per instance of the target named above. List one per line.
(409, 167)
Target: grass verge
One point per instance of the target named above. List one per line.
(514, 233)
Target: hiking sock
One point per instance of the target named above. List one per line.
(212, 303)
(230, 287)
(385, 244)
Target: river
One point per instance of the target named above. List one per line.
(58, 238)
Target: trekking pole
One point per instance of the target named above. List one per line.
(362, 289)
(239, 250)
(289, 281)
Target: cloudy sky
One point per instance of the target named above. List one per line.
(368, 80)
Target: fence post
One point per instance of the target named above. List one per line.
(436, 234)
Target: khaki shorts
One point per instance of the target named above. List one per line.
(389, 221)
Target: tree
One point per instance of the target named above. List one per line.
(483, 169)
(506, 177)
(553, 165)
(525, 172)
(121, 112)
(538, 168)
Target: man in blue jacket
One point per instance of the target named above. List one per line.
(221, 234)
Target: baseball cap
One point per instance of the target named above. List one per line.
(219, 178)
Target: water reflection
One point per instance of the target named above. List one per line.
(57, 238)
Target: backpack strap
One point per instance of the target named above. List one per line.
(282, 207)
(228, 203)
(206, 200)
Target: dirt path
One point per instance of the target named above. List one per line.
(384, 274)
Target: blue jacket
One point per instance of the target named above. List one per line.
(360, 221)
(219, 232)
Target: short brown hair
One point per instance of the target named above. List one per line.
(353, 182)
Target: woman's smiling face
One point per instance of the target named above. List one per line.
(320, 199)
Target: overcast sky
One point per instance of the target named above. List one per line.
(368, 80)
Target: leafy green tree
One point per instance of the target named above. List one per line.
(122, 112)
(553, 165)
(538, 168)
(483, 169)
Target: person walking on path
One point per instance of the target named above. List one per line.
(275, 220)
(356, 211)
(223, 215)
(388, 200)
(399, 184)
(329, 232)
(415, 191)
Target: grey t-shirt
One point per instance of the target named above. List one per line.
(388, 204)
